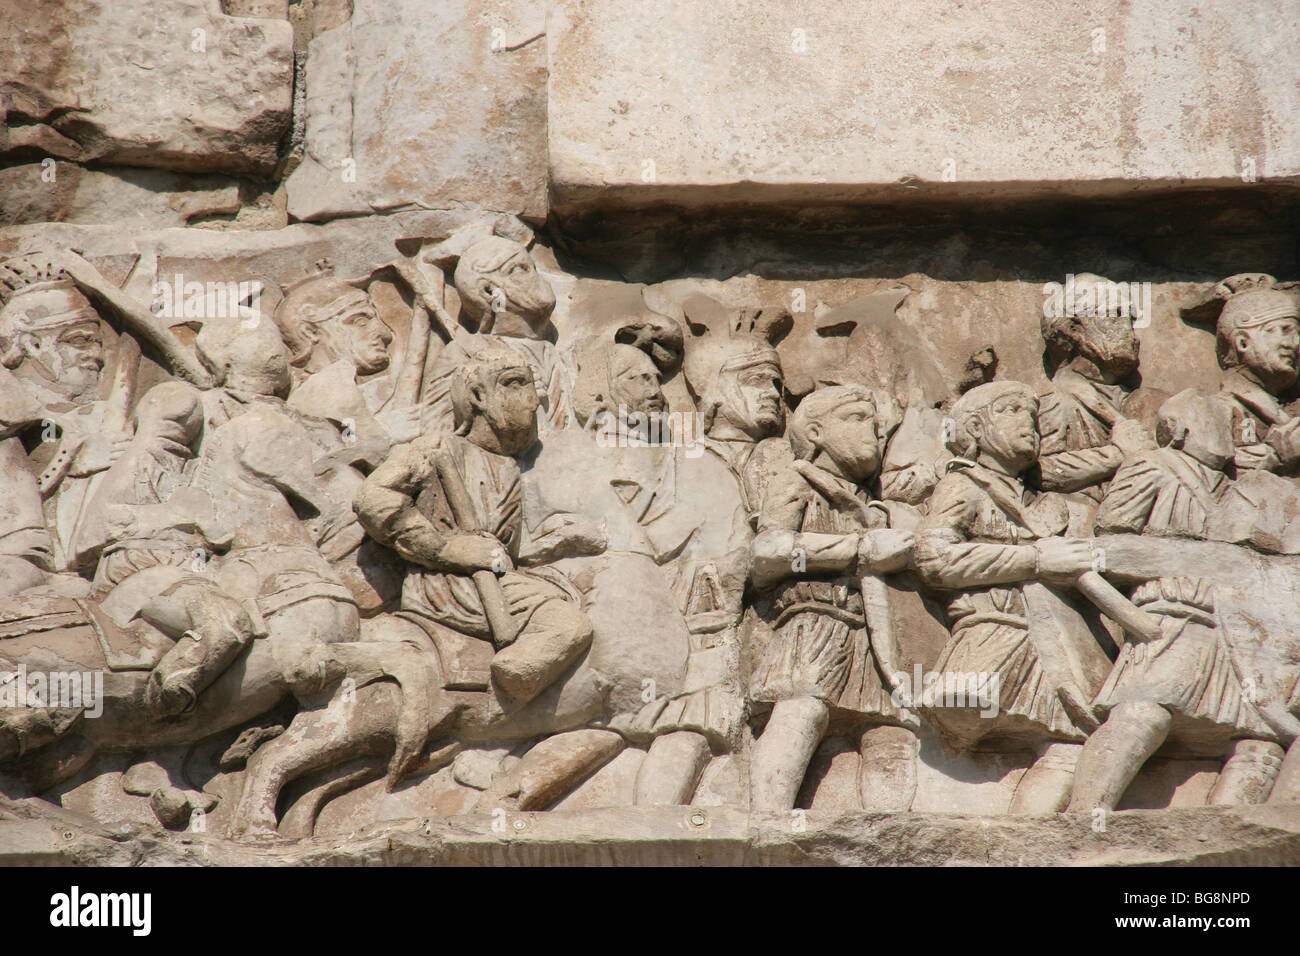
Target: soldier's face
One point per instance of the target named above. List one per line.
(1272, 350)
(848, 436)
(73, 356)
(1110, 342)
(752, 400)
(1011, 434)
(511, 408)
(635, 382)
(359, 335)
(526, 290)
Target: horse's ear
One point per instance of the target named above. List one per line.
(772, 324)
(706, 317)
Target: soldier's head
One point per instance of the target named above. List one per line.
(1199, 426)
(494, 401)
(996, 422)
(497, 277)
(737, 384)
(1259, 330)
(324, 319)
(245, 353)
(845, 427)
(48, 330)
(618, 381)
(1092, 324)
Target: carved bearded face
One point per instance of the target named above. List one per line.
(358, 334)
(1271, 351)
(750, 400)
(72, 356)
(509, 403)
(847, 435)
(61, 341)
(1007, 431)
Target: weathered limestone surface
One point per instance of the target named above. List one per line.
(413, 104)
(177, 85)
(1210, 836)
(591, 432)
(739, 102)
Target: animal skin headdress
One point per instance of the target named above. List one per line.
(724, 340)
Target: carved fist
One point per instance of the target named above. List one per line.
(120, 522)
(1285, 440)
(884, 551)
(1132, 437)
(98, 454)
(467, 553)
(1063, 558)
(1257, 456)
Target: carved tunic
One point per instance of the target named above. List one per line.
(1075, 418)
(971, 542)
(820, 645)
(1189, 668)
(1254, 412)
(409, 480)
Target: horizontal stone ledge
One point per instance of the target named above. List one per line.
(1267, 835)
(571, 195)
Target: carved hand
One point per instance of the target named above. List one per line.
(1285, 440)
(466, 553)
(1259, 456)
(884, 551)
(1063, 559)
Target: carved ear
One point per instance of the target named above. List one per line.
(477, 397)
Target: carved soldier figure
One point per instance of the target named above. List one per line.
(985, 540)
(415, 502)
(1086, 431)
(736, 381)
(1182, 681)
(735, 377)
(338, 348)
(51, 342)
(1258, 341)
(152, 533)
(819, 533)
(502, 292)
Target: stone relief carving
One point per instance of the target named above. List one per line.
(408, 527)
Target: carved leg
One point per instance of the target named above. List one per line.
(217, 628)
(317, 738)
(671, 769)
(887, 777)
(1045, 787)
(780, 757)
(1249, 775)
(17, 575)
(550, 642)
(1286, 789)
(1116, 752)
